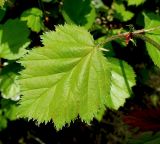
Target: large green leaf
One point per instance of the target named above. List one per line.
(152, 20)
(34, 20)
(13, 39)
(80, 12)
(66, 78)
(9, 86)
(122, 79)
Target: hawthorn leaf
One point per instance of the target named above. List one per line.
(13, 39)
(122, 80)
(9, 86)
(152, 20)
(79, 12)
(67, 78)
(34, 20)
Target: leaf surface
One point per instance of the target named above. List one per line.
(152, 20)
(122, 80)
(33, 17)
(66, 78)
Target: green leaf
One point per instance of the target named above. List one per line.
(135, 2)
(13, 39)
(34, 20)
(66, 78)
(9, 86)
(152, 20)
(98, 4)
(122, 79)
(79, 12)
(8, 111)
(121, 13)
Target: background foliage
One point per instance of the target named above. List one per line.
(69, 52)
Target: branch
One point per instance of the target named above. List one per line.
(123, 35)
(147, 39)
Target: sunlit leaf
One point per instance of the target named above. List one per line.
(34, 19)
(152, 20)
(122, 80)
(67, 77)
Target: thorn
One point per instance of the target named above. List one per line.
(103, 49)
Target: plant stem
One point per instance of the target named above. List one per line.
(149, 40)
(134, 34)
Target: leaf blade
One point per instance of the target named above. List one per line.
(70, 70)
(151, 20)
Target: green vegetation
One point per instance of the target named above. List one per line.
(71, 59)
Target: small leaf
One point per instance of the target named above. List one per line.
(122, 79)
(13, 39)
(152, 20)
(121, 13)
(8, 111)
(33, 17)
(66, 78)
(9, 86)
(135, 2)
(79, 12)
